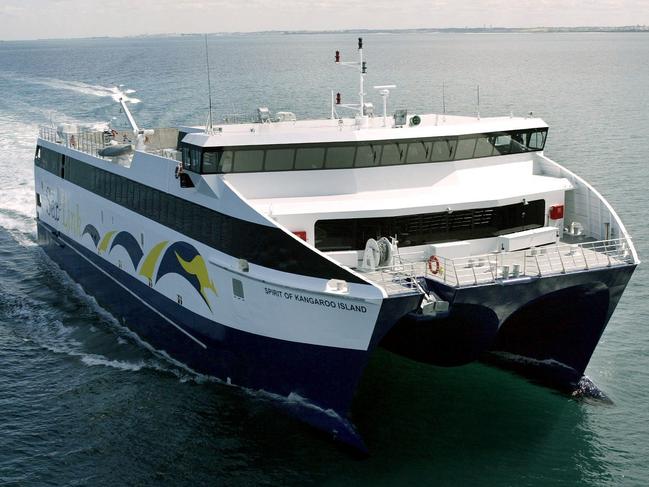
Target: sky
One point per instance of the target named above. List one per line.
(38, 19)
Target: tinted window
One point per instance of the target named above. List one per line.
(444, 150)
(465, 148)
(419, 151)
(226, 161)
(393, 154)
(502, 143)
(309, 158)
(279, 159)
(483, 147)
(425, 228)
(340, 157)
(211, 162)
(519, 144)
(196, 159)
(537, 140)
(367, 155)
(248, 160)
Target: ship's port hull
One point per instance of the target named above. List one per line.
(315, 383)
(544, 328)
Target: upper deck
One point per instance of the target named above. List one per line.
(359, 129)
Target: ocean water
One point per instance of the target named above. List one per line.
(84, 402)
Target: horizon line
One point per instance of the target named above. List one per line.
(637, 28)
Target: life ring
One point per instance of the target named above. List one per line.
(434, 259)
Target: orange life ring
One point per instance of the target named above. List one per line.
(433, 259)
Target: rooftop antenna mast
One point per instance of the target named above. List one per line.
(362, 70)
(443, 101)
(209, 126)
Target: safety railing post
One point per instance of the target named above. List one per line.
(583, 254)
(563, 266)
(524, 262)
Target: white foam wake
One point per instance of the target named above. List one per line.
(93, 360)
(114, 92)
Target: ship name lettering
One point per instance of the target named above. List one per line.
(327, 303)
(359, 308)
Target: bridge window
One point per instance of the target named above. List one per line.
(367, 155)
(279, 159)
(309, 158)
(340, 157)
(502, 143)
(465, 148)
(483, 147)
(248, 160)
(444, 150)
(347, 155)
(226, 161)
(211, 161)
(393, 153)
(536, 140)
(419, 151)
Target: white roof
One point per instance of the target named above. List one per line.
(465, 188)
(352, 130)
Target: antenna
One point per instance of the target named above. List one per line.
(384, 91)
(443, 101)
(209, 125)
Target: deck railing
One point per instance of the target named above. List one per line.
(543, 261)
(474, 270)
(89, 142)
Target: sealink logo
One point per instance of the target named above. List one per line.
(183, 259)
(128, 242)
(179, 258)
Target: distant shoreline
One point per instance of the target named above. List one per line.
(423, 30)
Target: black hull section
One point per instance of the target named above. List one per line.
(314, 383)
(552, 338)
(543, 328)
(456, 339)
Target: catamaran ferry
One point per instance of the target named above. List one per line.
(278, 254)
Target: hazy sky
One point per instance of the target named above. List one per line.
(30, 19)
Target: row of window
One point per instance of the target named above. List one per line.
(260, 244)
(196, 221)
(349, 155)
(352, 234)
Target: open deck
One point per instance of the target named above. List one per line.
(562, 258)
(162, 143)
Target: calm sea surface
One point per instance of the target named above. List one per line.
(83, 402)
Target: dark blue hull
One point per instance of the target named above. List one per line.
(544, 328)
(322, 379)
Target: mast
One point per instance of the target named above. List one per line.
(209, 126)
(362, 71)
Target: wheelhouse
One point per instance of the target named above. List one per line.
(347, 155)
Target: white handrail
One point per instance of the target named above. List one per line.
(474, 270)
